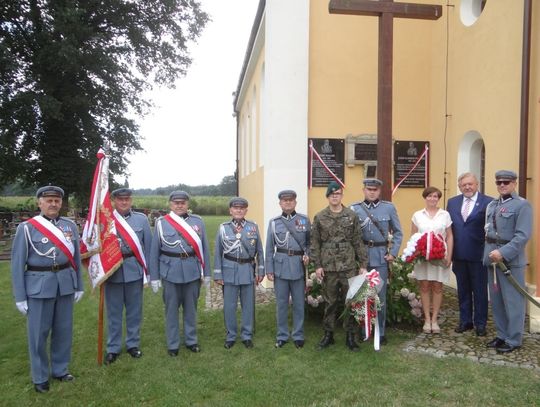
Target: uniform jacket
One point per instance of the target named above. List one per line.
(175, 269)
(386, 216)
(232, 272)
(510, 221)
(336, 241)
(29, 248)
(131, 270)
(469, 236)
(278, 236)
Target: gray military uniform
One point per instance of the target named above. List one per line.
(385, 215)
(234, 262)
(173, 260)
(284, 259)
(124, 288)
(508, 229)
(49, 294)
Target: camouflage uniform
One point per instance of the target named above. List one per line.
(337, 247)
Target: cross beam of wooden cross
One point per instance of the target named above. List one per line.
(386, 10)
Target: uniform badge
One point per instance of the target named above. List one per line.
(253, 241)
(238, 235)
(44, 240)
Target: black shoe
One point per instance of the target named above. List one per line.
(383, 340)
(110, 358)
(228, 344)
(172, 352)
(506, 348)
(481, 331)
(350, 342)
(194, 348)
(42, 387)
(65, 378)
(248, 343)
(463, 327)
(134, 352)
(280, 343)
(495, 343)
(327, 340)
(299, 343)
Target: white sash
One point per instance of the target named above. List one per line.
(136, 246)
(192, 238)
(57, 233)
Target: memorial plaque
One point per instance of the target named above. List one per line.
(411, 164)
(365, 152)
(332, 154)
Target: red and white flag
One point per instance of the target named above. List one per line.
(99, 242)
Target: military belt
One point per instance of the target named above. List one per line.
(290, 252)
(371, 243)
(497, 241)
(53, 269)
(181, 255)
(238, 260)
(336, 245)
(127, 255)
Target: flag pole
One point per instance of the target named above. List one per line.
(100, 325)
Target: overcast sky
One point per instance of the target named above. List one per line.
(190, 136)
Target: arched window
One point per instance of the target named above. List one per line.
(472, 157)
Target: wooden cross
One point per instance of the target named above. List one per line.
(386, 10)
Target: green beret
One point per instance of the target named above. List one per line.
(333, 186)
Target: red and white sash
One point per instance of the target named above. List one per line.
(187, 232)
(56, 236)
(132, 240)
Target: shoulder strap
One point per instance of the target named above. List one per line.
(293, 234)
(377, 224)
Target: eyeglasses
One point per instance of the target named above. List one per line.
(503, 182)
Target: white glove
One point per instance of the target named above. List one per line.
(78, 295)
(22, 307)
(156, 284)
(207, 280)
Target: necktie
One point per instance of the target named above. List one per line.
(466, 208)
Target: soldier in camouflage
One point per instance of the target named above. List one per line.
(338, 253)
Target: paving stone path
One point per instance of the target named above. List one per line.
(448, 343)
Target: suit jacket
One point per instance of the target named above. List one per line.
(469, 236)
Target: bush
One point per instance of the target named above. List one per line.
(402, 300)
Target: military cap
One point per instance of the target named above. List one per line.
(373, 182)
(50, 190)
(178, 196)
(333, 186)
(287, 194)
(237, 201)
(505, 174)
(121, 192)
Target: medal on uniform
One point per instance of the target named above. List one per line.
(238, 235)
(44, 240)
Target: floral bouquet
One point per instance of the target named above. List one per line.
(362, 302)
(313, 291)
(422, 247)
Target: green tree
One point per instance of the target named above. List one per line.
(73, 75)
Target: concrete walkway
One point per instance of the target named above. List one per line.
(468, 345)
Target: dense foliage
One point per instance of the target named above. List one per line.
(73, 76)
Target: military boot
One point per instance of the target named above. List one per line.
(327, 340)
(350, 342)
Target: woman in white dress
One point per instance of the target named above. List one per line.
(431, 277)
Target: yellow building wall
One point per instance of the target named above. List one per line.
(251, 186)
(343, 91)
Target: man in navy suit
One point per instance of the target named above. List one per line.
(468, 212)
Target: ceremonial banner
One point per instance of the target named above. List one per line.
(99, 242)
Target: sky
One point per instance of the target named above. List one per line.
(190, 135)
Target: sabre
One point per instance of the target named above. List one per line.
(508, 273)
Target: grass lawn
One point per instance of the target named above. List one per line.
(263, 376)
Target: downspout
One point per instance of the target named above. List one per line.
(525, 84)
